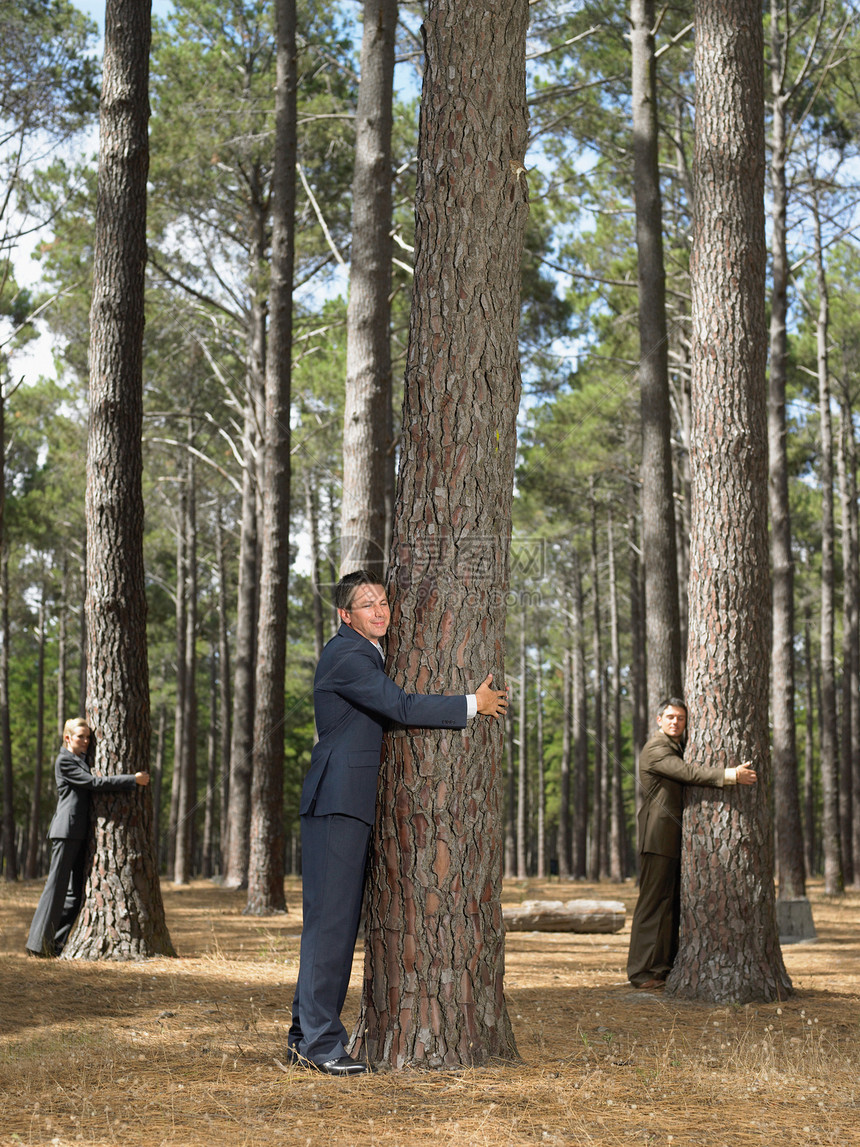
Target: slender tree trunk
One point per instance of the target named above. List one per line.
(523, 760)
(207, 867)
(31, 864)
(658, 507)
(242, 743)
(729, 945)
(122, 916)
(598, 852)
(510, 796)
(434, 960)
(833, 876)
(224, 690)
(810, 834)
(617, 852)
(848, 491)
(266, 862)
(368, 460)
(540, 801)
(10, 856)
(564, 824)
(579, 844)
(312, 516)
(181, 628)
(62, 646)
(789, 835)
(157, 777)
(186, 827)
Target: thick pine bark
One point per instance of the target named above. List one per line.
(434, 965)
(729, 947)
(266, 859)
(789, 835)
(122, 916)
(368, 456)
(663, 630)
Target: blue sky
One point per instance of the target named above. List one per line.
(96, 9)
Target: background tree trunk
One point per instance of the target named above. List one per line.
(368, 458)
(435, 937)
(663, 630)
(729, 946)
(123, 915)
(266, 861)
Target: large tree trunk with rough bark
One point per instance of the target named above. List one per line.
(662, 619)
(729, 946)
(266, 859)
(122, 916)
(434, 967)
(368, 457)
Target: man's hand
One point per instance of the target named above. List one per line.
(142, 778)
(491, 702)
(745, 775)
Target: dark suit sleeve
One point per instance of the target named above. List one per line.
(360, 679)
(74, 773)
(666, 762)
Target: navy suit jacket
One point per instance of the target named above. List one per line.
(74, 784)
(354, 702)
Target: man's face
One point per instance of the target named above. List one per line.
(672, 721)
(369, 613)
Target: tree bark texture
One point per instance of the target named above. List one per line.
(662, 621)
(123, 915)
(846, 469)
(266, 859)
(579, 841)
(187, 806)
(523, 759)
(368, 456)
(729, 946)
(434, 966)
(789, 834)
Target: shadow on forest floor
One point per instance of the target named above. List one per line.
(188, 1051)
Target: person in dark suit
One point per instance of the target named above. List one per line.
(663, 772)
(63, 894)
(354, 702)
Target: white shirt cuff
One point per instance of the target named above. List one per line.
(471, 706)
(731, 777)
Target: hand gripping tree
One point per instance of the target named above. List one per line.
(433, 992)
(729, 948)
(123, 914)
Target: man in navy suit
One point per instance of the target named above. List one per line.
(354, 702)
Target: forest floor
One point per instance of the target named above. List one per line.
(190, 1051)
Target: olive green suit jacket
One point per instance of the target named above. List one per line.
(663, 772)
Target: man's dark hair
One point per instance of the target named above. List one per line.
(349, 583)
(671, 703)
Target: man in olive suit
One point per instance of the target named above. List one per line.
(663, 772)
(354, 702)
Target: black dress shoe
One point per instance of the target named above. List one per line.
(345, 1065)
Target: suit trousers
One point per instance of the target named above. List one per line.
(654, 932)
(61, 898)
(334, 858)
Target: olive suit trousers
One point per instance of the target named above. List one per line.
(654, 933)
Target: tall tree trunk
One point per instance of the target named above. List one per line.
(266, 862)
(368, 459)
(181, 630)
(810, 835)
(242, 743)
(833, 877)
(789, 835)
(434, 961)
(658, 506)
(312, 516)
(729, 946)
(540, 796)
(564, 824)
(186, 828)
(579, 842)
(224, 690)
(846, 467)
(523, 760)
(10, 856)
(617, 834)
(31, 864)
(157, 777)
(62, 645)
(122, 916)
(510, 795)
(207, 866)
(597, 857)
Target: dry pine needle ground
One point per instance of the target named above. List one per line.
(187, 1051)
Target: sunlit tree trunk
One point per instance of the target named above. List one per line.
(368, 457)
(729, 946)
(663, 631)
(122, 916)
(434, 967)
(266, 859)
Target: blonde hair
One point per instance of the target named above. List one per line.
(74, 723)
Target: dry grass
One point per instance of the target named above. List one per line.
(186, 1051)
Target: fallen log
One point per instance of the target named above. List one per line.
(565, 916)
